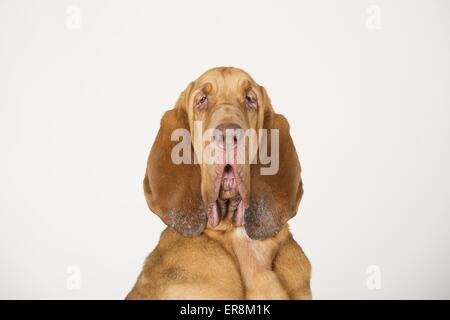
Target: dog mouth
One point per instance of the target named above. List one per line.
(229, 200)
(229, 183)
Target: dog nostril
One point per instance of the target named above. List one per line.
(228, 134)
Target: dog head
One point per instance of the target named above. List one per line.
(210, 159)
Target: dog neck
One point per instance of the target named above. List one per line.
(252, 256)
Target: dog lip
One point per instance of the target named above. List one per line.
(236, 183)
(230, 182)
(217, 184)
(228, 188)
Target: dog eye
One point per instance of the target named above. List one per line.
(250, 101)
(202, 102)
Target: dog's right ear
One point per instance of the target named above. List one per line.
(172, 190)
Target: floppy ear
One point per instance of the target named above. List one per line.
(172, 190)
(274, 198)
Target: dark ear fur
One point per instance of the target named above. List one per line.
(173, 191)
(274, 198)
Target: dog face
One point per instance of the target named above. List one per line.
(226, 103)
(224, 111)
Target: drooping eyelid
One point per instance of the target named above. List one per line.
(203, 90)
(196, 96)
(253, 104)
(252, 94)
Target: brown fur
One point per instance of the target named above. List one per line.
(193, 260)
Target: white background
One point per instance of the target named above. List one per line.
(368, 103)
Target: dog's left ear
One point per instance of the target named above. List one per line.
(274, 197)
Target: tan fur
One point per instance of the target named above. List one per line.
(224, 264)
(194, 260)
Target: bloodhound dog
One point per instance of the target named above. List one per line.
(227, 234)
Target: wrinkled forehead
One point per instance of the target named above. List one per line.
(225, 81)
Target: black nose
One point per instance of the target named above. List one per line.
(228, 134)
